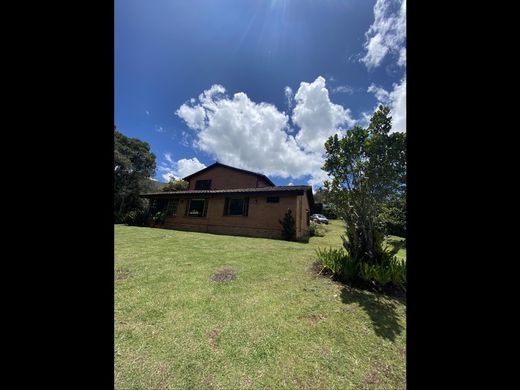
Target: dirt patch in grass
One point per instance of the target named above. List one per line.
(318, 270)
(313, 319)
(122, 273)
(213, 336)
(372, 378)
(224, 275)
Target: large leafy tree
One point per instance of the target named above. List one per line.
(368, 170)
(134, 164)
(176, 185)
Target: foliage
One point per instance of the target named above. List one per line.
(136, 217)
(338, 262)
(392, 271)
(320, 196)
(176, 185)
(393, 216)
(159, 217)
(288, 226)
(134, 164)
(368, 168)
(316, 229)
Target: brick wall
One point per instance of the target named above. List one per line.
(262, 219)
(223, 178)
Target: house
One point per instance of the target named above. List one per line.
(227, 200)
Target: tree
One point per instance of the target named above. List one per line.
(320, 196)
(393, 216)
(134, 164)
(288, 226)
(176, 185)
(368, 169)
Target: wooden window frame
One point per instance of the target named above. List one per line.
(245, 206)
(204, 209)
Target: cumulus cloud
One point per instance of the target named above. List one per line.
(317, 117)
(195, 117)
(387, 34)
(255, 136)
(396, 100)
(179, 169)
(343, 89)
(288, 95)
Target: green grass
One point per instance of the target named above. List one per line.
(276, 325)
(395, 240)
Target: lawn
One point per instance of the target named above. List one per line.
(277, 325)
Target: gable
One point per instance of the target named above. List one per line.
(219, 176)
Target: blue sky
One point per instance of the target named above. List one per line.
(255, 84)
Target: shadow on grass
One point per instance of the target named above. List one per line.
(382, 310)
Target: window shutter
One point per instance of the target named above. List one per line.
(246, 206)
(226, 206)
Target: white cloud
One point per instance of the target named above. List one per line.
(317, 117)
(402, 57)
(159, 129)
(396, 100)
(180, 168)
(147, 112)
(343, 89)
(185, 140)
(255, 136)
(387, 35)
(168, 158)
(195, 117)
(288, 95)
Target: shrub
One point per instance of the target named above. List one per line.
(389, 271)
(316, 229)
(159, 217)
(136, 218)
(288, 226)
(392, 272)
(338, 262)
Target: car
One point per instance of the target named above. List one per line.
(319, 218)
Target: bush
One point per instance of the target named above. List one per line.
(389, 271)
(288, 226)
(316, 229)
(338, 262)
(392, 272)
(159, 217)
(136, 218)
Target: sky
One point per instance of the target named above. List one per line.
(259, 85)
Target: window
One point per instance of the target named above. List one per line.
(172, 207)
(197, 208)
(157, 205)
(203, 185)
(273, 199)
(236, 206)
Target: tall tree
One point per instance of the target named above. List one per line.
(368, 169)
(176, 185)
(134, 164)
